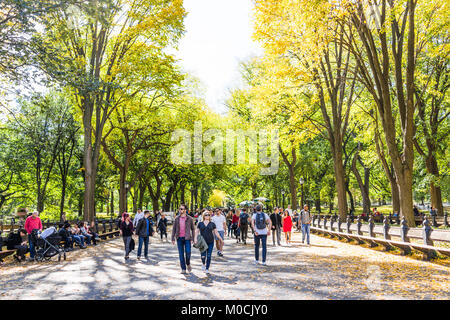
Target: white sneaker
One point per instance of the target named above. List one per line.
(203, 267)
(206, 271)
(256, 262)
(264, 264)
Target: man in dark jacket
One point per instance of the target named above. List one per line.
(275, 218)
(66, 236)
(15, 242)
(144, 231)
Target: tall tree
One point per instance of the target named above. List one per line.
(385, 55)
(96, 49)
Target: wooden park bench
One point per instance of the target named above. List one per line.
(104, 229)
(355, 232)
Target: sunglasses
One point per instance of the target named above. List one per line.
(207, 215)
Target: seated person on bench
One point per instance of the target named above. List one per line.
(66, 236)
(84, 232)
(16, 242)
(77, 237)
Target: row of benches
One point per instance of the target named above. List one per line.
(436, 221)
(355, 232)
(104, 229)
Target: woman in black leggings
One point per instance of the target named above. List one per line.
(162, 226)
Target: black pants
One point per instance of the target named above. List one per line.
(68, 243)
(244, 229)
(93, 236)
(163, 232)
(21, 250)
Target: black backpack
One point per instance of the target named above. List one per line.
(243, 219)
(260, 221)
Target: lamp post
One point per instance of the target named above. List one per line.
(282, 193)
(127, 186)
(301, 181)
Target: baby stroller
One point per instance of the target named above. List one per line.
(47, 244)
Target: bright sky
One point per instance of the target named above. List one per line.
(218, 36)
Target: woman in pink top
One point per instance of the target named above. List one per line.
(287, 226)
(32, 222)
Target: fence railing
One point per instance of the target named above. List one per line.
(367, 233)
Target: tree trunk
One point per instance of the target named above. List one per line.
(122, 192)
(292, 182)
(135, 199)
(339, 174)
(363, 186)
(90, 165)
(254, 190)
(435, 190)
(317, 203)
(293, 188)
(112, 202)
(169, 196)
(141, 195)
(350, 195)
(63, 198)
(182, 197)
(80, 205)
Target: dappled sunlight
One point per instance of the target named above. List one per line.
(328, 269)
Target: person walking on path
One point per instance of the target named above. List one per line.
(275, 218)
(207, 229)
(229, 219)
(287, 226)
(296, 218)
(162, 226)
(126, 231)
(243, 225)
(139, 215)
(183, 232)
(221, 226)
(234, 225)
(305, 220)
(144, 231)
(259, 224)
(32, 222)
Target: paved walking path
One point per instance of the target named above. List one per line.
(327, 269)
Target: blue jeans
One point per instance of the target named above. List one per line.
(78, 239)
(206, 255)
(228, 227)
(305, 229)
(261, 238)
(145, 241)
(88, 238)
(32, 248)
(184, 246)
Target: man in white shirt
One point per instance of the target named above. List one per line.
(261, 224)
(139, 215)
(221, 225)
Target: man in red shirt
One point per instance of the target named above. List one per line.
(32, 222)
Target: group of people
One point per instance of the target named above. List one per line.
(80, 234)
(142, 226)
(209, 227)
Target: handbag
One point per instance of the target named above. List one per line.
(201, 244)
(132, 244)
